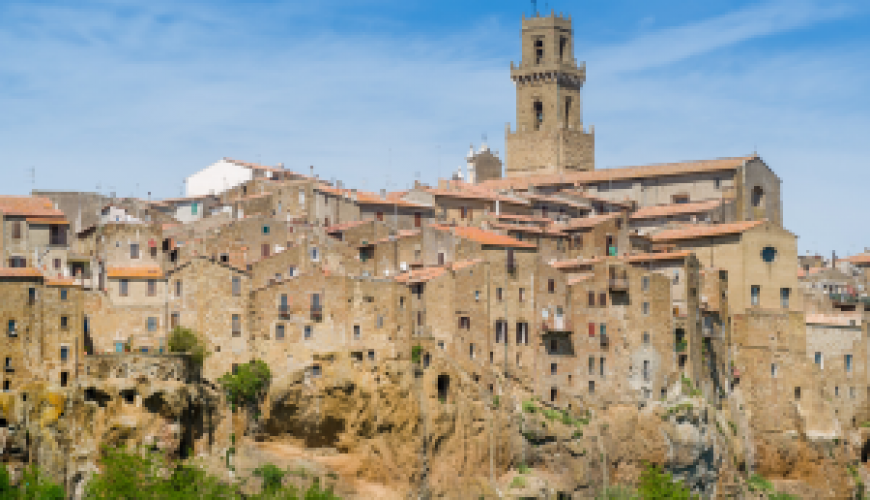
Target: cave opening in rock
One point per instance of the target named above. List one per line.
(443, 386)
(865, 451)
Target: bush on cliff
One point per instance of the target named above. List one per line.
(248, 384)
(185, 340)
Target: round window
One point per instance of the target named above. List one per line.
(768, 254)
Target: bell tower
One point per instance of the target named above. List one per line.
(550, 137)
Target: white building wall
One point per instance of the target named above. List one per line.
(217, 178)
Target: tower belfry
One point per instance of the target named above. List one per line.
(549, 136)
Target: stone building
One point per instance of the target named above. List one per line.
(550, 137)
(35, 234)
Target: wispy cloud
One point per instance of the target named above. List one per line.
(670, 45)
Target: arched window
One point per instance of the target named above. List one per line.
(539, 51)
(757, 196)
(539, 114)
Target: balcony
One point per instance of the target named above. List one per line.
(604, 341)
(284, 311)
(557, 324)
(316, 314)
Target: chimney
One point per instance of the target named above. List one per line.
(417, 184)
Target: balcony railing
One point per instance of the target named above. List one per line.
(557, 324)
(316, 314)
(284, 311)
(619, 284)
(604, 341)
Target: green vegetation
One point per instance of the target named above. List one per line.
(859, 485)
(248, 385)
(33, 485)
(495, 401)
(523, 468)
(184, 340)
(518, 482)
(529, 407)
(866, 424)
(617, 493)
(272, 477)
(733, 427)
(655, 483)
(416, 354)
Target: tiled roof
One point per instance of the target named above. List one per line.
(834, 319)
(365, 198)
(518, 228)
(135, 272)
(338, 228)
(61, 282)
(48, 220)
(579, 279)
(28, 206)
(485, 237)
(616, 174)
(421, 275)
(676, 209)
(704, 231)
(475, 194)
(646, 257)
(524, 218)
(19, 272)
(404, 233)
(862, 258)
(556, 200)
(574, 263)
(587, 222)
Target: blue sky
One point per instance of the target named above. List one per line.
(132, 97)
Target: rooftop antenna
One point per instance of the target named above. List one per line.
(33, 176)
(534, 8)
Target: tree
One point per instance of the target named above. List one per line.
(185, 340)
(249, 383)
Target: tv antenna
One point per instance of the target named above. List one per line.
(32, 171)
(534, 8)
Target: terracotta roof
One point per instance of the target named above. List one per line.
(587, 222)
(574, 263)
(834, 319)
(556, 200)
(518, 228)
(638, 172)
(645, 257)
(135, 272)
(35, 206)
(401, 234)
(338, 228)
(676, 209)
(862, 258)
(475, 194)
(704, 231)
(421, 275)
(19, 272)
(456, 266)
(607, 201)
(485, 237)
(365, 198)
(48, 220)
(524, 218)
(579, 279)
(61, 282)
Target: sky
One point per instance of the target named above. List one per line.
(132, 97)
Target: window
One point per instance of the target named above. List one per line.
(418, 219)
(441, 345)
(717, 183)
(591, 299)
(174, 320)
(10, 329)
(124, 288)
(380, 321)
(477, 295)
(64, 353)
(554, 346)
(852, 395)
(646, 308)
(539, 114)
(644, 284)
(755, 292)
(315, 256)
(773, 370)
(784, 294)
(757, 196)
(676, 279)
(491, 357)
(356, 332)
(279, 332)
(601, 367)
(265, 229)
(554, 394)
(501, 331)
(471, 351)
(563, 42)
(237, 325)
(819, 360)
(591, 387)
(307, 332)
(63, 294)
(768, 254)
(551, 285)
(371, 355)
(440, 258)
(602, 329)
(465, 322)
(591, 329)
(315, 371)
(646, 338)
(64, 322)
(57, 263)
(152, 324)
(567, 105)
(7, 385)
(264, 250)
(602, 299)
(225, 258)
(194, 208)
(646, 375)
(16, 230)
(553, 368)
(539, 51)
(836, 390)
(591, 365)
(17, 262)
(797, 392)
(237, 286)
(522, 333)
(178, 288)
(848, 362)
(134, 250)
(152, 288)
(499, 295)
(680, 198)
(522, 294)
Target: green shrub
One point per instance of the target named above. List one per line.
(758, 483)
(518, 482)
(617, 493)
(655, 483)
(249, 384)
(416, 354)
(523, 468)
(495, 401)
(185, 340)
(272, 477)
(529, 407)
